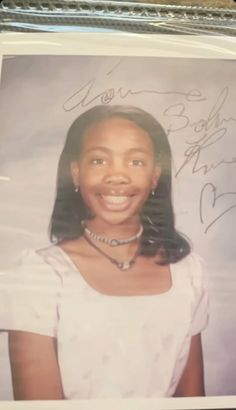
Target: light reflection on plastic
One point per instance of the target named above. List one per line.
(2, 178)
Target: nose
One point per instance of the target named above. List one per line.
(117, 174)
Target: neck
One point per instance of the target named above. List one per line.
(117, 231)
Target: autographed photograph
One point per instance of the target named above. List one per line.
(117, 217)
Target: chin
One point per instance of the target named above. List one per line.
(117, 219)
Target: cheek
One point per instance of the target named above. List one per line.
(143, 177)
(90, 178)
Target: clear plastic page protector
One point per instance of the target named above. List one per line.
(50, 75)
(191, 17)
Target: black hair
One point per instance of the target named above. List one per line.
(159, 234)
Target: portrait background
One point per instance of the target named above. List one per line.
(193, 99)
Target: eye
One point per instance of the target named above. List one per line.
(98, 161)
(137, 162)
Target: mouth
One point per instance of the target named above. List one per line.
(116, 202)
(114, 199)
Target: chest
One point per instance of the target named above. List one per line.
(88, 314)
(146, 277)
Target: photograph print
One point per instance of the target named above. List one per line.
(117, 216)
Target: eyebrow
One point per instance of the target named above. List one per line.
(130, 150)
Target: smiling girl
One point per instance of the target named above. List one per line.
(115, 307)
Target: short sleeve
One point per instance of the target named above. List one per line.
(29, 296)
(200, 303)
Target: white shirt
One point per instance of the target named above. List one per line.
(108, 346)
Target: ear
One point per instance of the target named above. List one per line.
(74, 169)
(156, 176)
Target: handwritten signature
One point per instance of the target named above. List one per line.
(86, 94)
(210, 188)
(213, 128)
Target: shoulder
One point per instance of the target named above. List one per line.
(192, 269)
(191, 277)
(32, 269)
(196, 266)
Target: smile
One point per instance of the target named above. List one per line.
(112, 199)
(116, 202)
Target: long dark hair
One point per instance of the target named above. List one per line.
(159, 234)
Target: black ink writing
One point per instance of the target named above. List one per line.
(86, 95)
(213, 128)
(210, 188)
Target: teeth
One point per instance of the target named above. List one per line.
(115, 199)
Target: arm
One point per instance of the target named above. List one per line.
(34, 367)
(192, 380)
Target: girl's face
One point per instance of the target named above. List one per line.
(116, 170)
